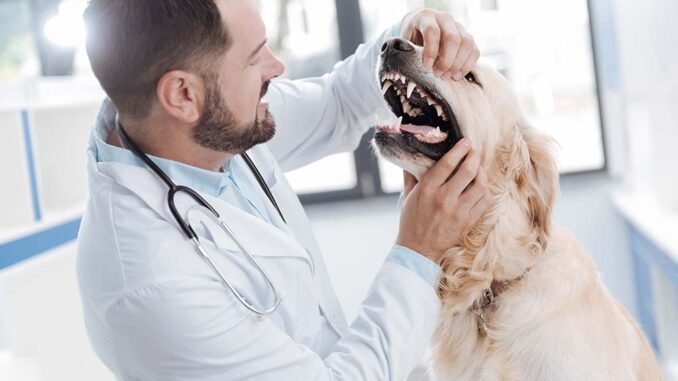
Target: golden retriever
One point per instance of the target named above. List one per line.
(521, 301)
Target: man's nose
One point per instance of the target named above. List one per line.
(279, 67)
(396, 45)
(275, 68)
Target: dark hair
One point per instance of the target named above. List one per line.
(131, 44)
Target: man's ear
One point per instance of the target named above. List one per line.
(182, 95)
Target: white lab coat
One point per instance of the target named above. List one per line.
(154, 310)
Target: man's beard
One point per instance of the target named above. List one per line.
(219, 131)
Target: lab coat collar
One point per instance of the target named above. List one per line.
(206, 181)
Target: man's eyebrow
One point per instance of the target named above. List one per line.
(254, 53)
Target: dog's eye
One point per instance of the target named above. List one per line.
(470, 77)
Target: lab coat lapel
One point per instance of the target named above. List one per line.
(299, 225)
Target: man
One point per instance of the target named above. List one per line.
(186, 80)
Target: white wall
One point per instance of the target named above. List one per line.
(43, 324)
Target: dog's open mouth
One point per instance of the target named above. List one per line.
(426, 123)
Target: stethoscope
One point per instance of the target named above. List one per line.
(188, 230)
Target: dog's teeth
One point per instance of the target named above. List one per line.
(410, 88)
(415, 112)
(439, 109)
(398, 123)
(402, 99)
(387, 85)
(444, 117)
(430, 101)
(384, 78)
(407, 107)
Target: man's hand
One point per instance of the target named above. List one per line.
(448, 49)
(437, 210)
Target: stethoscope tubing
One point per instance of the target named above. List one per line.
(190, 233)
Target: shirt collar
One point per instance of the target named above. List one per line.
(210, 182)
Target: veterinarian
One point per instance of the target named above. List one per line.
(169, 293)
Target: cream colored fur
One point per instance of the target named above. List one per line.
(558, 322)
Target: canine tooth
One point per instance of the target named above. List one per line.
(384, 78)
(410, 88)
(439, 109)
(387, 85)
(407, 107)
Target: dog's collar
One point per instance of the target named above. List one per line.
(497, 287)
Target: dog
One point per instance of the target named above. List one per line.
(520, 299)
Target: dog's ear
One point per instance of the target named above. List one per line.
(539, 179)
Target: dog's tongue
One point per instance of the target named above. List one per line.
(411, 128)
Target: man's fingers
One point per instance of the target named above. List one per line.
(465, 50)
(471, 196)
(441, 171)
(464, 176)
(470, 61)
(479, 209)
(409, 181)
(430, 31)
(449, 48)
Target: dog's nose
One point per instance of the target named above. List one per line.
(397, 44)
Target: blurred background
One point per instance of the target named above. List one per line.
(600, 76)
